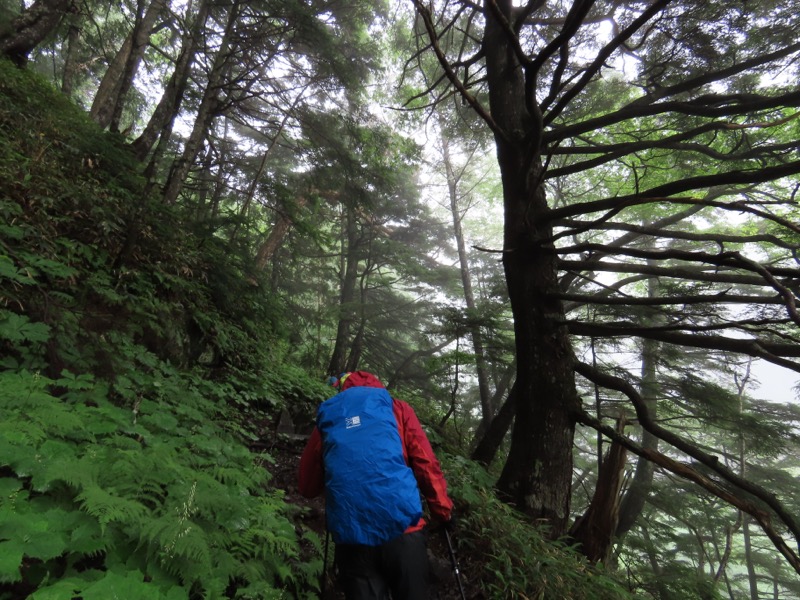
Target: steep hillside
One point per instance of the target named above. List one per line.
(126, 383)
(143, 375)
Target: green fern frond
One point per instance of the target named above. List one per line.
(22, 389)
(160, 422)
(259, 590)
(16, 432)
(59, 419)
(85, 471)
(180, 545)
(59, 459)
(22, 457)
(25, 400)
(108, 508)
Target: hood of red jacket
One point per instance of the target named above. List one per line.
(361, 379)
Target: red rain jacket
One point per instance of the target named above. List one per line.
(416, 450)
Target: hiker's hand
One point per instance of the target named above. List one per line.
(450, 524)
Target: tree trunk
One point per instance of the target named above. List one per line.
(253, 186)
(31, 28)
(537, 476)
(662, 591)
(141, 39)
(160, 123)
(116, 82)
(273, 241)
(357, 345)
(594, 531)
(486, 449)
(752, 577)
(205, 113)
(347, 296)
(70, 57)
(636, 496)
(487, 409)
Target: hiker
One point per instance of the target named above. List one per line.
(372, 458)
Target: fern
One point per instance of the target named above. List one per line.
(107, 507)
(171, 495)
(120, 474)
(110, 585)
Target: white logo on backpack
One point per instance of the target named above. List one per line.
(350, 422)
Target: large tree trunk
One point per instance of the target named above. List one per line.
(116, 82)
(70, 56)
(160, 123)
(30, 29)
(537, 476)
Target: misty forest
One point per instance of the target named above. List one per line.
(565, 231)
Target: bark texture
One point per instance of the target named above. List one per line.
(594, 531)
(160, 123)
(537, 475)
(31, 28)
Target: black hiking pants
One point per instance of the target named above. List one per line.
(397, 569)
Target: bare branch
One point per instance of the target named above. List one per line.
(671, 234)
(685, 471)
(610, 152)
(724, 297)
(661, 193)
(427, 20)
(712, 106)
(684, 273)
(602, 56)
(731, 260)
(770, 351)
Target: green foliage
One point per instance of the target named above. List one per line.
(517, 560)
(125, 381)
(155, 502)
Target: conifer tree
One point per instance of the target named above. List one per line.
(694, 131)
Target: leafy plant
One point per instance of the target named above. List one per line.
(517, 561)
(159, 502)
(124, 466)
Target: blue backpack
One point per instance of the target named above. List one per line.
(371, 495)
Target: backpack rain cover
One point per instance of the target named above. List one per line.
(371, 495)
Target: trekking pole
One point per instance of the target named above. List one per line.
(455, 563)
(323, 577)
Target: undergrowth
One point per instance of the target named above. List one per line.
(514, 559)
(157, 501)
(128, 387)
